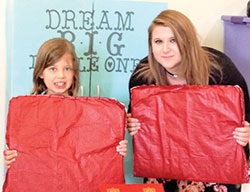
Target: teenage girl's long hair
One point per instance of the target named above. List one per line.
(197, 65)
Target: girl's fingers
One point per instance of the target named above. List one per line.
(10, 154)
(128, 115)
(133, 129)
(242, 143)
(132, 120)
(8, 163)
(242, 130)
(121, 150)
(123, 142)
(133, 133)
(123, 153)
(242, 140)
(133, 125)
(246, 124)
(152, 181)
(242, 134)
(122, 147)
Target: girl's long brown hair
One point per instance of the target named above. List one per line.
(197, 65)
(49, 53)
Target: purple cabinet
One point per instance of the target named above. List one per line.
(237, 43)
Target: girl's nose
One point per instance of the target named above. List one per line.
(165, 47)
(60, 74)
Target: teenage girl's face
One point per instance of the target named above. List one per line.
(165, 48)
(58, 77)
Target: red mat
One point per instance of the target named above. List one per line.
(64, 143)
(187, 133)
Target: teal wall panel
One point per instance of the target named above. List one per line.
(110, 38)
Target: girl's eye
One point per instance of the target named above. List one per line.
(52, 69)
(172, 40)
(158, 41)
(68, 69)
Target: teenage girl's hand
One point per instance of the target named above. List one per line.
(133, 125)
(122, 147)
(242, 134)
(9, 157)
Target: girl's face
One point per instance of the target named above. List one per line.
(165, 48)
(58, 77)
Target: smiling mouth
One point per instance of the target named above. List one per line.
(60, 84)
(167, 57)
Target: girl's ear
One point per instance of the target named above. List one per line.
(41, 76)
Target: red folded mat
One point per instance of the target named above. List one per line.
(64, 143)
(187, 133)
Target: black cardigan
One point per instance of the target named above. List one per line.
(231, 76)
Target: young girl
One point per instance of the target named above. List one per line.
(176, 58)
(56, 72)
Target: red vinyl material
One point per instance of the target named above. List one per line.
(64, 143)
(187, 133)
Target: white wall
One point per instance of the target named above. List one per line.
(2, 86)
(205, 14)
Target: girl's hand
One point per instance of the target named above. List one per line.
(152, 181)
(122, 147)
(242, 134)
(9, 157)
(133, 125)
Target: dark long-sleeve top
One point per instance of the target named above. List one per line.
(230, 76)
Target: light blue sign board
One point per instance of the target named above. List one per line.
(110, 38)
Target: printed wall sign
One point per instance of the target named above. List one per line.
(110, 37)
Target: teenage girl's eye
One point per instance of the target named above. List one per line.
(172, 40)
(158, 41)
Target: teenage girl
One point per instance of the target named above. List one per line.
(175, 57)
